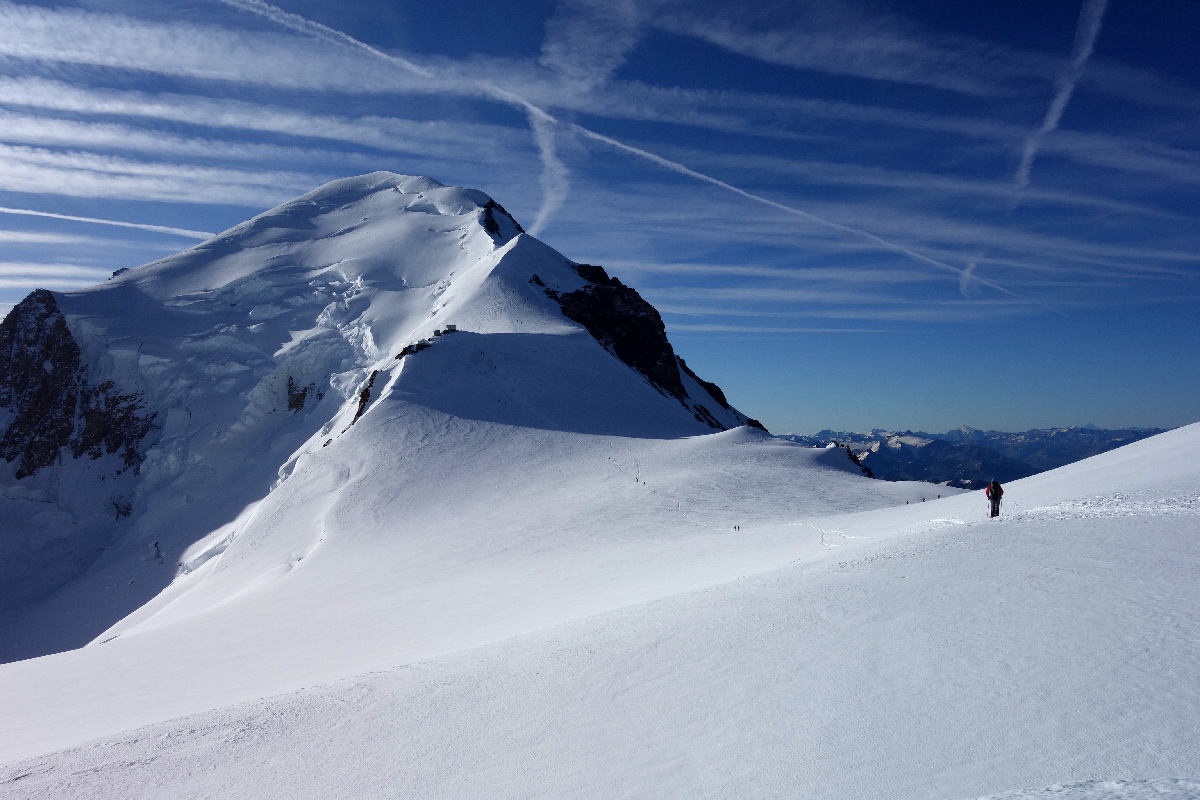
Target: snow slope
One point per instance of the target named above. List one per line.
(912, 652)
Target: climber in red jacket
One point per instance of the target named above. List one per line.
(994, 492)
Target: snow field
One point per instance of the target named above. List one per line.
(964, 661)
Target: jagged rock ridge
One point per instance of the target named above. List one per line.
(489, 219)
(632, 330)
(50, 404)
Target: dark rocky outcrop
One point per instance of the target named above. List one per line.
(298, 395)
(629, 327)
(112, 422)
(857, 461)
(490, 208)
(711, 388)
(364, 397)
(50, 404)
(413, 349)
(632, 330)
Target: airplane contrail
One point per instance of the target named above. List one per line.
(554, 173)
(1091, 14)
(305, 25)
(543, 124)
(138, 225)
(874, 239)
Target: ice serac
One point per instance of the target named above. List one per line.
(164, 404)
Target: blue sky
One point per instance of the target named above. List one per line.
(852, 215)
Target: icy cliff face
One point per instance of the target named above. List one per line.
(196, 383)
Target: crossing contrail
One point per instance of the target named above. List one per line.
(554, 178)
(837, 226)
(544, 124)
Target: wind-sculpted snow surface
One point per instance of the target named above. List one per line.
(1167, 789)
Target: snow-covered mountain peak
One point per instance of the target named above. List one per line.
(207, 376)
(380, 228)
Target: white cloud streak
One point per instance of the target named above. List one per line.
(188, 50)
(924, 183)
(23, 275)
(587, 40)
(77, 174)
(964, 283)
(9, 269)
(717, 328)
(51, 132)
(1091, 14)
(323, 32)
(52, 238)
(184, 232)
(213, 53)
(554, 178)
(280, 61)
(860, 48)
(854, 275)
(474, 142)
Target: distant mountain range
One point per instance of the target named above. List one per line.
(969, 458)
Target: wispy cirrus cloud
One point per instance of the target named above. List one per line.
(13, 237)
(924, 183)
(684, 327)
(552, 164)
(554, 178)
(791, 185)
(624, 100)
(853, 275)
(26, 212)
(807, 216)
(191, 50)
(900, 311)
(809, 37)
(80, 174)
(587, 40)
(324, 33)
(461, 139)
(52, 132)
(26, 276)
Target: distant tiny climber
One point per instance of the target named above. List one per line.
(994, 492)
